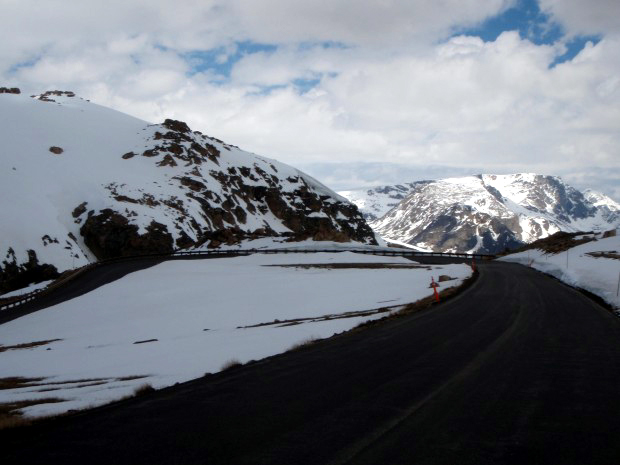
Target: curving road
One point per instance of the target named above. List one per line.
(519, 369)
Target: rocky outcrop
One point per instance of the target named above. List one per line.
(459, 229)
(109, 234)
(15, 275)
(306, 215)
(10, 90)
(222, 199)
(48, 96)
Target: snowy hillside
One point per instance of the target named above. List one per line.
(80, 182)
(103, 345)
(593, 266)
(610, 209)
(484, 213)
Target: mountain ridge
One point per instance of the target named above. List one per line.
(482, 213)
(83, 182)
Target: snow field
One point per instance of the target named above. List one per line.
(194, 309)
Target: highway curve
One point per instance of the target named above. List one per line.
(519, 369)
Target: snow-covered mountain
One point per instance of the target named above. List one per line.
(79, 181)
(376, 202)
(484, 213)
(610, 209)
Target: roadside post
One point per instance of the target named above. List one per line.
(434, 285)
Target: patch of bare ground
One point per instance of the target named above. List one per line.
(305, 343)
(77, 386)
(558, 242)
(355, 266)
(143, 389)
(145, 341)
(609, 254)
(332, 316)
(75, 381)
(131, 378)
(230, 364)
(16, 382)
(10, 415)
(28, 345)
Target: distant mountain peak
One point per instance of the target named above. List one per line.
(482, 213)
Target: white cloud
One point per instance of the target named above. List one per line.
(585, 18)
(369, 23)
(395, 94)
(203, 24)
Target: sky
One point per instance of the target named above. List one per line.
(355, 93)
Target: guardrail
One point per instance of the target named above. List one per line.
(6, 304)
(18, 300)
(383, 252)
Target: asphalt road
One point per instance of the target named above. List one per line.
(519, 369)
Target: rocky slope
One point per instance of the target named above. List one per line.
(485, 213)
(82, 182)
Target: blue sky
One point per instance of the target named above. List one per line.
(525, 16)
(534, 25)
(420, 88)
(220, 60)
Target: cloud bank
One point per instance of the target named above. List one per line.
(354, 83)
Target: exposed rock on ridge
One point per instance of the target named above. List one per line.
(16, 276)
(217, 202)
